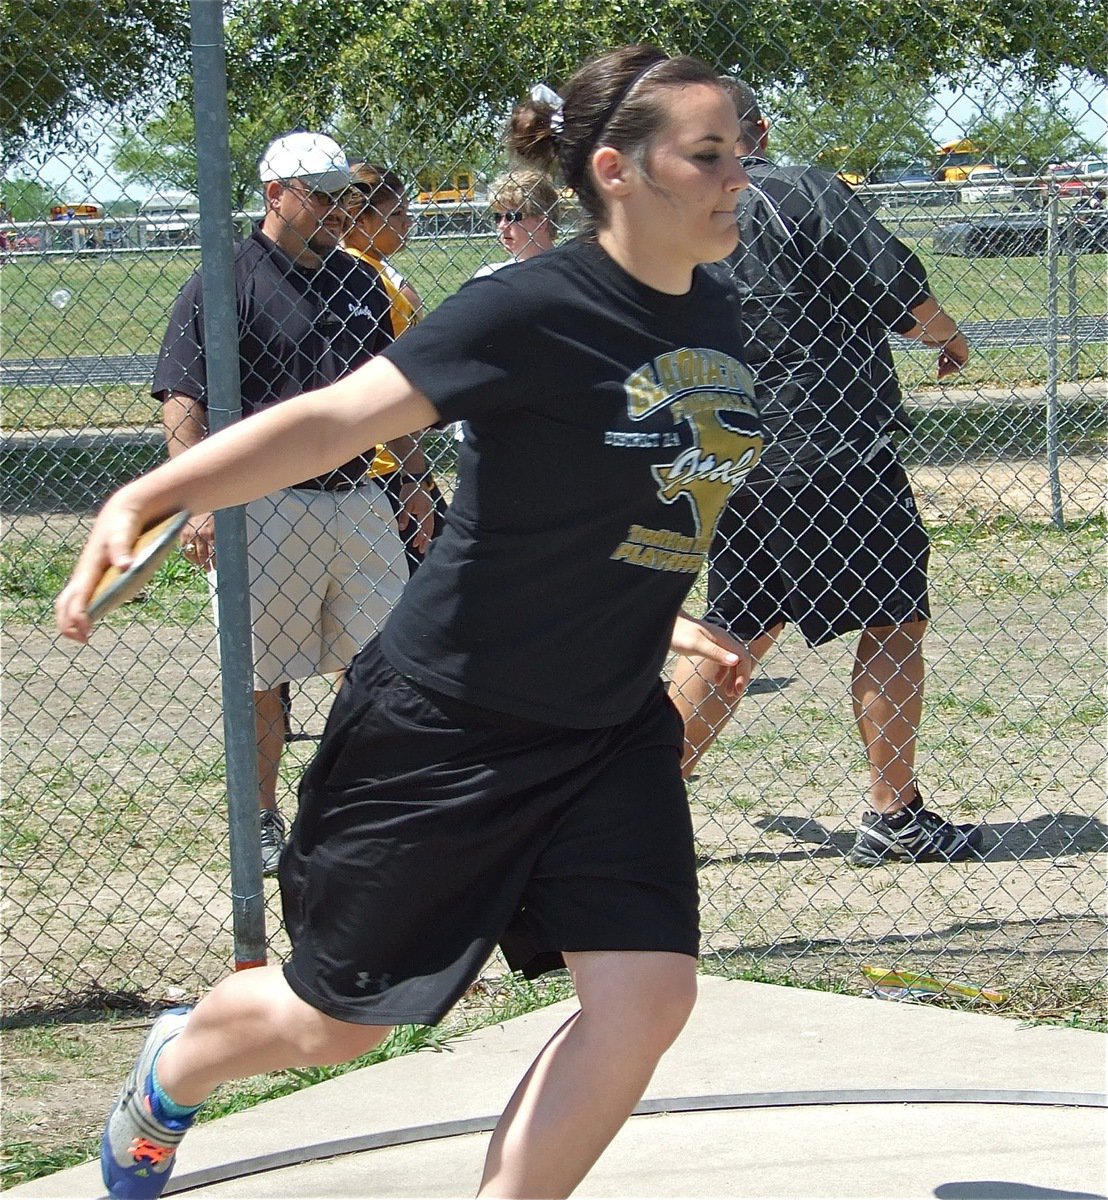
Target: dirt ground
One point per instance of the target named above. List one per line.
(116, 867)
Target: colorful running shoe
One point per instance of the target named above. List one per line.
(138, 1149)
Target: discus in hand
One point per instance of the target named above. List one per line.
(151, 549)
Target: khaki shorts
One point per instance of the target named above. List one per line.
(325, 570)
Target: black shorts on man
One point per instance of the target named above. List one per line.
(839, 553)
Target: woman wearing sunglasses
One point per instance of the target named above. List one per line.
(524, 207)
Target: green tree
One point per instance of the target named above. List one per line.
(430, 82)
(28, 200)
(1032, 133)
(58, 61)
(886, 121)
(436, 62)
(162, 152)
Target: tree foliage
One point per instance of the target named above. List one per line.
(27, 199)
(162, 152)
(887, 121)
(59, 61)
(433, 80)
(438, 69)
(1031, 134)
(430, 82)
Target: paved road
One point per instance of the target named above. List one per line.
(139, 368)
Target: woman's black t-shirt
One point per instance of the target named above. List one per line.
(606, 425)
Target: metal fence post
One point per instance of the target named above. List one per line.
(1052, 359)
(1073, 359)
(224, 408)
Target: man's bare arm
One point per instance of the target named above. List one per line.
(185, 423)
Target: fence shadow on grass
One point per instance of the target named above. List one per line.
(1006, 939)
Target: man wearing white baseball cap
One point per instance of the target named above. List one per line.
(326, 564)
(313, 158)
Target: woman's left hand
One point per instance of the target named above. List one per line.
(727, 661)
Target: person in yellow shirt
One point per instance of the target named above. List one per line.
(378, 226)
(377, 205)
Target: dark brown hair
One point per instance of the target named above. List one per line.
(371, 185)
(615, 99)
(746, 108)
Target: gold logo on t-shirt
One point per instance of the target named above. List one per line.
(699, 387)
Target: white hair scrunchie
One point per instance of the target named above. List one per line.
(542, 94)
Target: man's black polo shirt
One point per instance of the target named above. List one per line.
(298, 329)
(821, 282)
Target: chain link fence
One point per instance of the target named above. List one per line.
(985, 157)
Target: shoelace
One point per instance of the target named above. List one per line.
(141, 1149)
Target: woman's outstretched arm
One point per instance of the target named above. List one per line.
(299, 438)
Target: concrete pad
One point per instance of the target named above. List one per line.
(887, 1152)
(770, 1091)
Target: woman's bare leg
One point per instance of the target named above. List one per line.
(590, 1075)
(251, 1023)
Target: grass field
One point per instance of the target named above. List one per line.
(119, 305)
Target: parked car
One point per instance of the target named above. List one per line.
(1021, 235)
(987, 184)
(909, 185)
(1084, 182)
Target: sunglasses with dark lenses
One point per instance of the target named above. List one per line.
(510, 217)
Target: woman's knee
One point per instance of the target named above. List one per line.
(672, 1001)
(648, 996)
(323, 1041)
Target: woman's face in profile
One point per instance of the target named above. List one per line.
(388, 223)
(522, 236)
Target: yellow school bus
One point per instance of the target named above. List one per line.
(74, 212)
(953, 161)
(451, 187)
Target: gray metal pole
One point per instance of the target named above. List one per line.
(1053, 248)
(1072, 363)
(224, 407)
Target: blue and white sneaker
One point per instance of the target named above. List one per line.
(138, 1149)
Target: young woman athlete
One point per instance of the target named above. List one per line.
(510, 720)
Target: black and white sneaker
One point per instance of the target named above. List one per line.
(273, 839)
(914, 834)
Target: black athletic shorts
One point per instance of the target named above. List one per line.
(429, 830)
(836, 553)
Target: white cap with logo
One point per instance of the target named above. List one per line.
(312, 157)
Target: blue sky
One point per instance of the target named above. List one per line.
(1086, 99)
